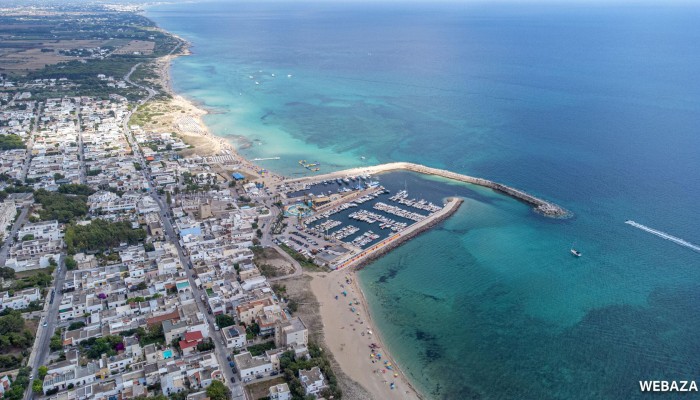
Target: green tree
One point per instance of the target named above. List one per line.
(71, 264)
(7, 273)
(224, 320)
(37, 386)
(76, 325)
(73, 188)
(218, 391)
(42, 371)
(9, 142)
(59, 206)
(101, 235)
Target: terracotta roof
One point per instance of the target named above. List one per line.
(174, 316)
(196, 335)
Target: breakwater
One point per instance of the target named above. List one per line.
(543, 207)
(374, 252)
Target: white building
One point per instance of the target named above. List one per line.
(234, 336)
(20, 299)
(290, 332)
(8, 211)
(41, 230)
(280, 392)
(312, 380)
(67, 373)
(249, 366)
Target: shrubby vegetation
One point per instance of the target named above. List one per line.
(261, 348)
(9, 142)
(19, 384)
(74, 188)
(224, 320)
(101, 235)
(93, 348)
(218, 391)
(291, 365)
(14, 338)
(59, 206)
(40, 279)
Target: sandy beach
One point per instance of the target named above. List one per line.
(342, 329)
(346, 334)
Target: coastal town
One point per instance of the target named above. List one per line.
(142, 257)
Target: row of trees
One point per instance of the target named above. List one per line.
(74, 188)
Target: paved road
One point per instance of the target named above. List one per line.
(30, 143)
(41, 344)
(81, 153)
(10, 238)
(238, 393)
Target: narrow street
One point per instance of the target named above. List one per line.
(237, 390)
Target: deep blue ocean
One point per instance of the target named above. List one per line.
(595, 107)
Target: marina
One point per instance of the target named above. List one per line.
(398, 211)
(357, 212)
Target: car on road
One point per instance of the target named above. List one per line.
(258, 376)
(233, 379)
(44, 324)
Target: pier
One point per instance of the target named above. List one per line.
(541, 206)
(266, 158)
(358, 260)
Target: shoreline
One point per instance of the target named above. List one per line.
(405, 388)
(350, 348)
(337, 333)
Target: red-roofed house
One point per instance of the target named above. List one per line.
(173, 316)
(189, 344)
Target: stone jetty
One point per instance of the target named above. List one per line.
(541, 206)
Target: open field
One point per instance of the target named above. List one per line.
(260, 390)
(136, 46)
(32, 55)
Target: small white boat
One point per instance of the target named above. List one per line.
(576, 253)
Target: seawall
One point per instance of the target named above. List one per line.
(543, 207)
(379, 249)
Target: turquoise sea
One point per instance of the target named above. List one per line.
(595, 107)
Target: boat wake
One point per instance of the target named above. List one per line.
(664, 235)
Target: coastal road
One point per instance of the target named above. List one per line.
(220, 350)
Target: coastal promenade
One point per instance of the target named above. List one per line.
(543, 207)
